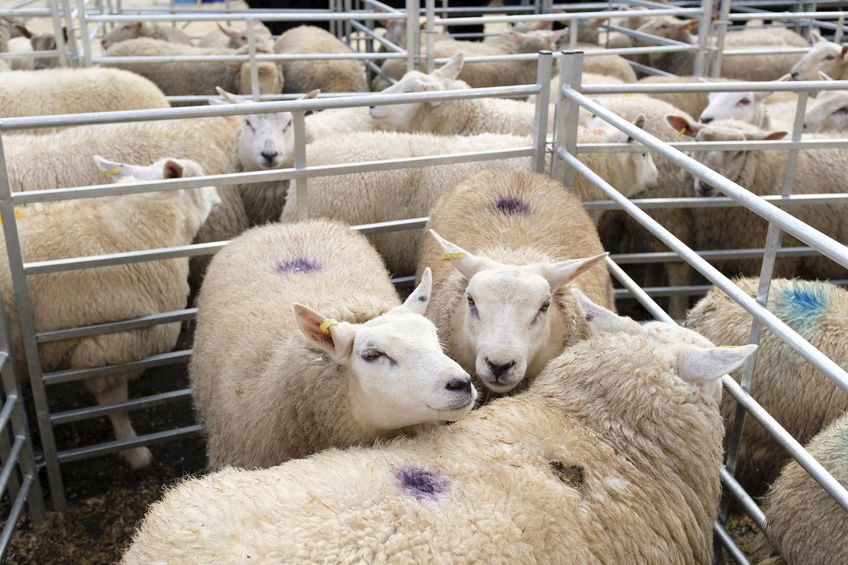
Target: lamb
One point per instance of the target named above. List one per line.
(226, 36)
(29, 41)
(630, 172)
(335, 75)
(134, 30)
(501, 271)
(194, 78)
(803, 520)
(377, 364)
(485, 74)
(823, 56)
(750, 106)
(788, 387)
(565, 473)
(394, 194)
(92, 296)
(72, 91)
(818, 171)
(828, 113)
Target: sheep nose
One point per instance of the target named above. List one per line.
(794, 75)
(269, 156)
(705, 120)
(459, 384)
(499, 369)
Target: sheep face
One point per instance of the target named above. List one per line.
(743, 106)
(828, 113)
(698, 361)
(266, 141)
(644, 170)
(823, 56)
(733, 164)
(399, 375)
(129, 30)
(269, 76)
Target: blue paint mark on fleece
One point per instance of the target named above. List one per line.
(801, 305)
(420, 483)
(298, 265)
(511, 205)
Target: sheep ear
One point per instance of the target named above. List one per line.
(334, 338)
(703, 364)
(22, 29)
(689, 24)
(172, 170)
(762, 95)
(112, 168)
(639, 122)
(559, 274)
(311, 94)
(450, 70)
(684, 126)
(466, 263)
(226, 96)
(816, 36)
(844, 52)
(600, 319)
(416, 303)
(229, 31)
(766, 135)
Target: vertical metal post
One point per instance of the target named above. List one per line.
(251, 52)
(840, 23)
(57, 30)
(27, 328)
(568, 113)
(430, 35)
(703, 37)
(85, 56)
(720, 31)
(544, 70)
(299, 121)
(412, 42)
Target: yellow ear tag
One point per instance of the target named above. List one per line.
(327, 324)
(453, 256)
(18, 214)
(680, 133)
(110, 172)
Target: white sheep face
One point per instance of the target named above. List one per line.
(823, 56)
(399, 375)
(743, 106)
(641, 163)
(266, 141)
(697, 360)
(828, 113)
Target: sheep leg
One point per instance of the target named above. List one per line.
(137, 457)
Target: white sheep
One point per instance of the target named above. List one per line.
(750, 106)
(394, 194)
(194, 78)
(29, 41)
(334, 75)
(817, 171)
(788, 387)
(614, 430)
(65, 161)
(804, 522)
(828, 113)
(227, 36)
(502, 269)
(489, 73)
(134, 30)
(273, 379)
(823, 56)
(94, 296)
(72, 91)
(630, 172)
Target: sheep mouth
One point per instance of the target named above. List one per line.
(704, 189)
(499, 386)
(463, 403)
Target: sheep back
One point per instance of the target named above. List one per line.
(339, 75)
(261, 392)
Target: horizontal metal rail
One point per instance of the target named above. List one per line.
(68, 455)
(90, 412)
(158, 360)
(183, 315)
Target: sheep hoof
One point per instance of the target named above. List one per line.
(138, 458)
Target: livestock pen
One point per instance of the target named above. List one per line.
(71, 439)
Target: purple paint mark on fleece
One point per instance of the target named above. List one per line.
(298, 265)
(420, 483)
(511, 205)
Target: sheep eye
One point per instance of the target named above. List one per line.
(286, 127)
(372, 355)
(545, 305)
(843, 110)
(829, 58)
(250, 125)
(471, 304)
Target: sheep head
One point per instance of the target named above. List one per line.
(506, 326)
(824, 56)
(399, 375)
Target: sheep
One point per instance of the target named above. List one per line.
(134, 30)
(226, 36)
(501, 303)
(615, 429)
(788, 387)
(670, 27)
(28, 42)
(693, 103)
(484, 74)
(93, 296)
(828, 113)
(631, 172)
(380, 369)
(335, 75)
(803, 520)
(817, 171)
(394, 194)
(823, 56)
(65, 161)
(750, 106)
(194, 78)
(72, 91)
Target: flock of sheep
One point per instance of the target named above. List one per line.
(577, 435)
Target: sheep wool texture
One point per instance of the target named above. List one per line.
(263, 394)
(339, 75)
(803, 520)
(608, 457)
(363, 198)
(72, 91)
(801, 398)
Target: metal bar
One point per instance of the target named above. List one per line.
(86, 452)
(183, 315)
(26, 493)
(727, 542)
(158, 360)
(544, 70)
(301, 184)
(91, 412)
